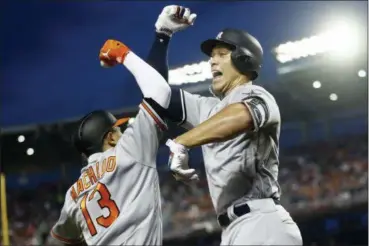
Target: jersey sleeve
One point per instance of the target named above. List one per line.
(141, 138)
(65, 229)
(262, 106)
(186, 109)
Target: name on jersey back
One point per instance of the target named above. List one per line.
(92, 175)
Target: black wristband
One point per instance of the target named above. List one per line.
(162, 37)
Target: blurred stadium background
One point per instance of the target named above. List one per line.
(316, 65)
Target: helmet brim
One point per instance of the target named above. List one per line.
(208, 45)
(121, 121)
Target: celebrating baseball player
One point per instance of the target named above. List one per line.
(238, 130)
(116, 200)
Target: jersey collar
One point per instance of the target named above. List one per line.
(213, 93)
(91, 160)
(94, 157)
(221, 97)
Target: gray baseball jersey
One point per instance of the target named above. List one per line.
(245, 167)
(116, 200)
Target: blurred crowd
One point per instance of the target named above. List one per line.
(312, 178)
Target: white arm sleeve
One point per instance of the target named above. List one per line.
(151, 83)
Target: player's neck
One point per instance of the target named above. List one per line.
(237, 82)
(106, 147)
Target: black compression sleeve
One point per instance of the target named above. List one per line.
(158, 55)
(158, 59)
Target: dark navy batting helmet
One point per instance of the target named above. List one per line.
(247, 53)
(88, 139)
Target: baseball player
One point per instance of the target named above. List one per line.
(116, 200)
(238, 129)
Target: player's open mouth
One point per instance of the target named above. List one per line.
(216, 74)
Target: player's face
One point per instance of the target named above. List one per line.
(224, 73)
(114, 136)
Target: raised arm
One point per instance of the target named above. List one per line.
(158, 54)
(172, 19)
(151, 83)
(182, 108)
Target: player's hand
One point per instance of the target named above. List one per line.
(178, 163)
(112, 53)
(174, 18)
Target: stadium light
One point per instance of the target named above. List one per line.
(341, 40)
(30, 151)
(333, 97)
(361, 73)
(192, 73)
(21, 138)
(317, 84)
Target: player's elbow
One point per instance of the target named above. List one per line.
(166, 90)
(161, 93)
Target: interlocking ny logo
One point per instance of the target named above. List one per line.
(219, 36)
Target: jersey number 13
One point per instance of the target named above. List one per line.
(105, 201)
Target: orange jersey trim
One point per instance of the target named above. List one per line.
(158, 121)
(65, 240)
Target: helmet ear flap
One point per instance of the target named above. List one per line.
(244, 61)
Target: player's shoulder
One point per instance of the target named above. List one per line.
(210, 102)
(204, 99)
(251, 90)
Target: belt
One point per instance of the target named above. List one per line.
(239, 211)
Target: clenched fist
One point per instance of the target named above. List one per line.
(112, 53)
(174, 18)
